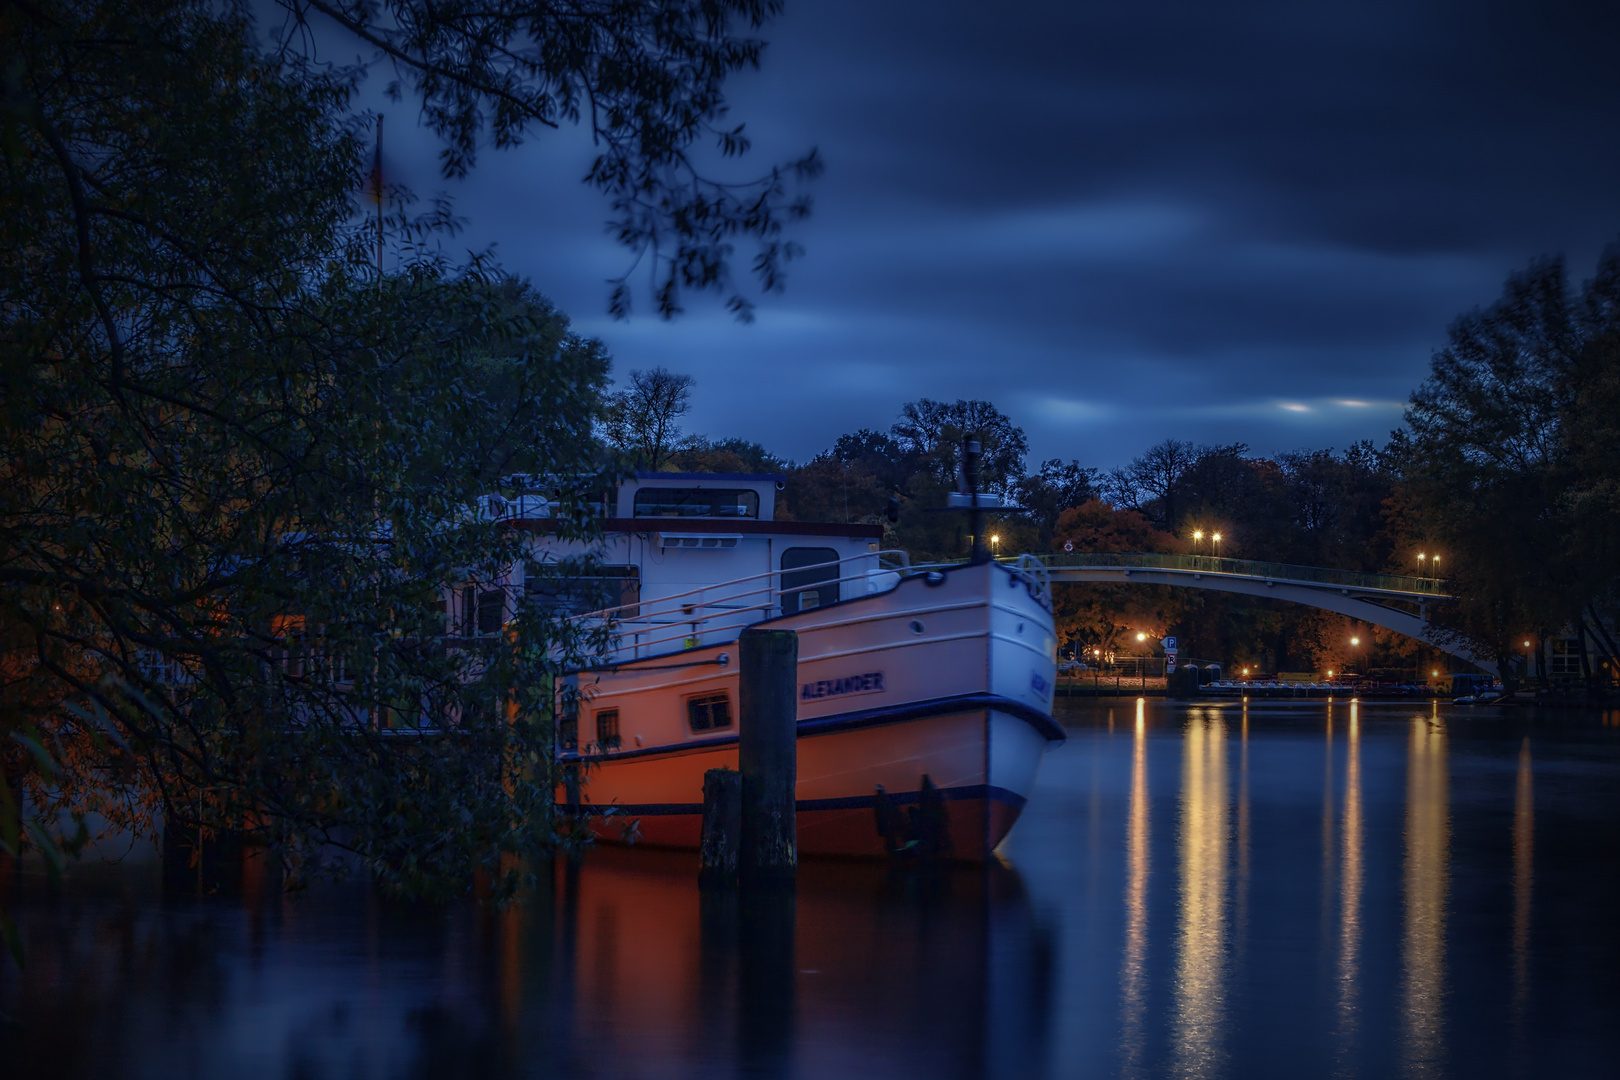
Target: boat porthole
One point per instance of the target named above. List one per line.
(916, 626)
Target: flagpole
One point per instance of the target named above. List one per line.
(376, 174)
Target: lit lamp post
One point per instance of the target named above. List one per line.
(1527, 661)
(1198, 538)
(1217, 539)
(995, 543)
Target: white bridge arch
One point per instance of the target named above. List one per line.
(1394, 601)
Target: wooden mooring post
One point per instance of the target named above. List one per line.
(758, 839)
(768, 751)
(722, 825)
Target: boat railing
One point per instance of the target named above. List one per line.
(711, 613)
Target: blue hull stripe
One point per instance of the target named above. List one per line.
(851, 721)
(851, 802)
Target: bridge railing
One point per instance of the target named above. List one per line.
(1211, 564)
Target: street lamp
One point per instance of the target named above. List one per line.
(1141, 637)
(1198, 536)
(1217, 539)
(995, 542)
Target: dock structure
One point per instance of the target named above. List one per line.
(1395, 602)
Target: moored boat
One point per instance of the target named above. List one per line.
(925, 693)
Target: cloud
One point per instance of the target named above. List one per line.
(1247, 222)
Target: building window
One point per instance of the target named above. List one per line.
(817, 586)
(708, 712)
(607, 729)
(696, 503)
(1565, 658)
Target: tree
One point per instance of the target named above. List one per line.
(646, 76)
(731, 455)
(1056, 487)
(933, 432)
(239, 470)
(1097, 615)
(641, 420)
(1507, 467)
(1148, 484)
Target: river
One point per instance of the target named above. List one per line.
(1283, 889)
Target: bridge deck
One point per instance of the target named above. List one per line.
(1417, 588)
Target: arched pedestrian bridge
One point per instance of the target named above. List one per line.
(1394, 601)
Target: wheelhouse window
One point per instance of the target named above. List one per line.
(809, 578)
(672, 502)
(607, 729)
(708, 712)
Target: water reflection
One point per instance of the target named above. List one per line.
(1524, 840)
(1426, 880)
(1198, 957)
(1200, 987)
(1351, 870)
(1133, 972)
(1240, 901)
(1328, 822)
(622, 967)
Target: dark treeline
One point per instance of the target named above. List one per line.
(1507, 471)
(236, 457)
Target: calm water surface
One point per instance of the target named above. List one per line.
(1283, 890)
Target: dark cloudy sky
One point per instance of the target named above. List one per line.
(1117, 221)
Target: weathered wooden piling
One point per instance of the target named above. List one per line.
(722, 825)
(767, 751)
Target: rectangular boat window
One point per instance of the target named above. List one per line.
(802, 589)
(604, 587)
(607, 729)
(696, 503)
(708, 712)
(491, 611)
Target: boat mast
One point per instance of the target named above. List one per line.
(970, 474)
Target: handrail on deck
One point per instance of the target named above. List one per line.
(1213, 564)
(696, 613)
